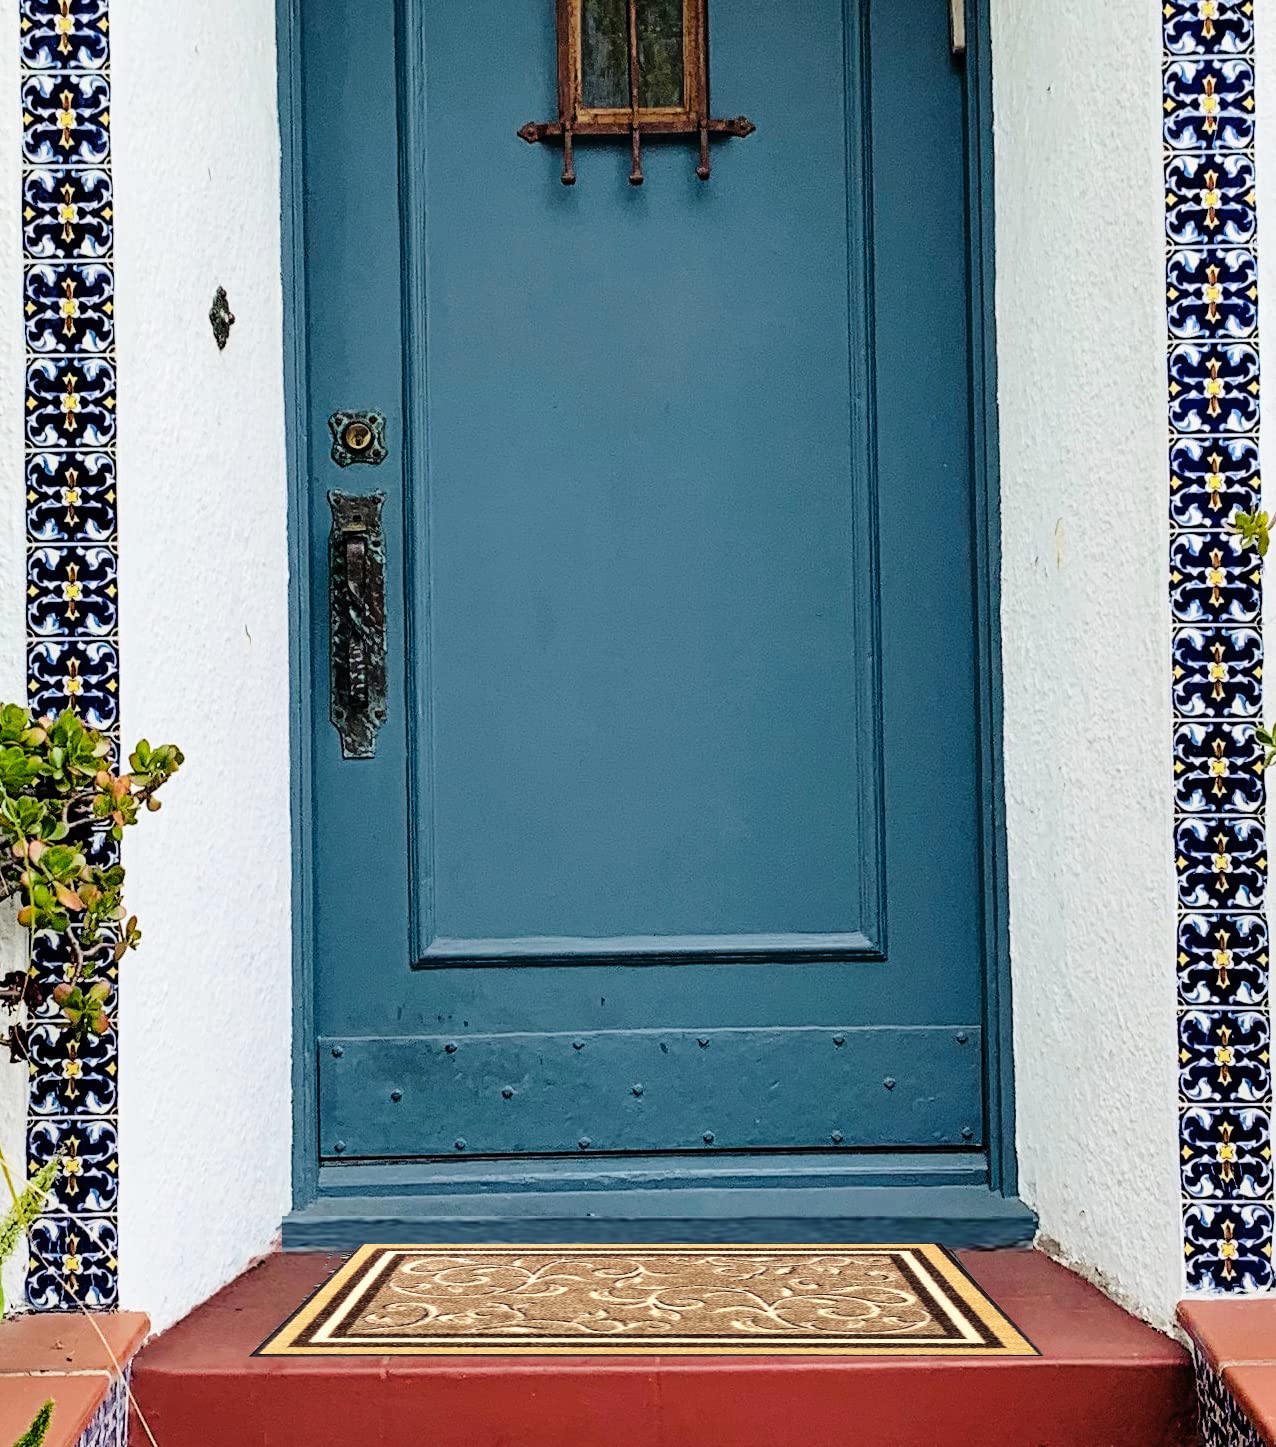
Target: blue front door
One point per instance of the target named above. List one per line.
(671, 841)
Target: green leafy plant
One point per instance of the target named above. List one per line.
(60, 799)
(1254, 529)
(24, 1211)
(38, 1430)
(14, 1225)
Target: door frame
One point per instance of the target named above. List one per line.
(986, 594)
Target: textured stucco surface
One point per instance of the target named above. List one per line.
(205, 1024)
(1081, 319)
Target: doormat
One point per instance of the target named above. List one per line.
(846, 1301)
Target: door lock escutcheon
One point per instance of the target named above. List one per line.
(357, 641)
(358, 437)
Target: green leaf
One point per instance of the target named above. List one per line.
(38, 1430)
(1254, 530)
(26, 1210)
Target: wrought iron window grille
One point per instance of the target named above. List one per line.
(603, 88)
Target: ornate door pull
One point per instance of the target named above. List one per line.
(356, 584)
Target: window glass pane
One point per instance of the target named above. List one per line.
(604, 43)
(660, 52)
(604, 54)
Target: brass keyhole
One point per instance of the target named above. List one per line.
(357, 436)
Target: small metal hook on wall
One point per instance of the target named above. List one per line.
(222, 318)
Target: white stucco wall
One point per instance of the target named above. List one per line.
(205, 1025)
(1081, 318)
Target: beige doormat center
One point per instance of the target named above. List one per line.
(627, 1300)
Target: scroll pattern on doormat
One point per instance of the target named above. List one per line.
(622, 1300)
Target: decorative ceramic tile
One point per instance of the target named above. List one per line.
(109, 1427)
(1220, 839)
(1226, 1153)
(1222, 961)
(1227, 1242)
(1208, 27)
(1209, 479)
(1221, 1420)
(72, 557)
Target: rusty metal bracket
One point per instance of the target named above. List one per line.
(357, 643)
(565, 131)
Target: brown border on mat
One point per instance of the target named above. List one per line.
(1000, 1336)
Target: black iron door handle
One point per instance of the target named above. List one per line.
(357, 621)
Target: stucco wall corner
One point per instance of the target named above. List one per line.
(1081, 326)
(206, 1123)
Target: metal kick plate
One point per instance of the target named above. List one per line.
(651, 1090)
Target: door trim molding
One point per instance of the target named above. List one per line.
(305, 1085)
(1003, 1177)
(986, 475)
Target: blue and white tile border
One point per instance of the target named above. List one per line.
(1221, 1420)
(1225, 1090)
(109, 1427)
(72, 555)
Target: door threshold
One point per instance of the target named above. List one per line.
(396, 1204)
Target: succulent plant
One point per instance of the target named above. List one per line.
(61, 800)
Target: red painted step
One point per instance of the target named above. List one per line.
(1103, 1380)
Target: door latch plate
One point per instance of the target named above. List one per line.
(356, 581)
